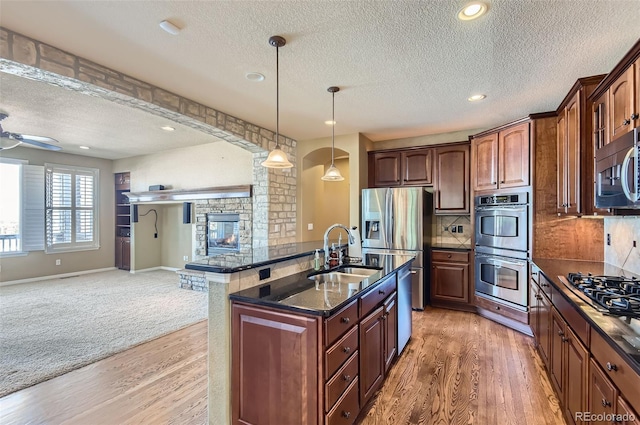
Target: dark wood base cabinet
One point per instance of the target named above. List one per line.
(292, 368)
(450, 280)
(576, 357)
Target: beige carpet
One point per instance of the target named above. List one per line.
(51, 327)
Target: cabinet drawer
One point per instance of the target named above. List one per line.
(340, 352)
(341, 322)
(346, 410)
(503, 310)
(578, 324)
(617, 369)
(375, 297)
(546, 287)
(450, 256)
(340, 381)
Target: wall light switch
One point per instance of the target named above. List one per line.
(459, 229)
(185, 258)
(58, 262)
(310, 226)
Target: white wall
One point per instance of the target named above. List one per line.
(211, 165)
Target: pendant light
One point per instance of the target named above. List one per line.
(277, 158)
(333, 174)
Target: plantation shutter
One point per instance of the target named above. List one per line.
(33, 208)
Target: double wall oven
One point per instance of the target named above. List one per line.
(502, 248)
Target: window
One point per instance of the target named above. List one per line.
(10, 214)
(71, 211)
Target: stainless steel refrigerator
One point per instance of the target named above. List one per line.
(399, 220)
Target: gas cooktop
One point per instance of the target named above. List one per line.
(615, 295)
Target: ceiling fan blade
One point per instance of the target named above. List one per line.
(39, 141)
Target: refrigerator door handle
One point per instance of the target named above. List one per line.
(389, 221)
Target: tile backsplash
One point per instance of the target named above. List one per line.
(441, 236)
(623, 232)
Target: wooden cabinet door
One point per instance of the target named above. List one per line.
(534, 311)
(274, 353)
(513, 157)
(544, 322)
(626, 413)
(452, 180)
(417, 167)
(371, 354)
(602, 393)
(562, 155)
(126, 254)
(636, 112)
(485, 162)
(577, 370)
(601, 121)
(385, 169)
(622, 104)
(556, 359)
(572, 161)
(390, 331)
(450, 282)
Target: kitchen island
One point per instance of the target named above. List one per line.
(312, 348)
(226, 275)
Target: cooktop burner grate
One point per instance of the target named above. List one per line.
(617, 295)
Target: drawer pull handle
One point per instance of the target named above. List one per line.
(347, 350)
(346, 414)
(345, 320)
(605, 403)
(381, 292)
(346, 378)
(560, 333)
(611, 367)
(626, 122)
(497, 308)
(634, 116)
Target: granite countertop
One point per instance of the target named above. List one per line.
(256, 257)
(623, 336)
(452, 246)
(301, 294)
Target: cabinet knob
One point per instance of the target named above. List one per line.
(346, 414)
(538, 297)
(381, 292)
(605, 403)
(626, 122)
(564, 339)
(345, 320)
(634, 116)
(611, 367)
(560, 333)
(449, 256)
(497, 308)
(347, 350)
(494, 182)
(501, 181)
(346, 378)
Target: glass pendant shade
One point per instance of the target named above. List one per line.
(277, 158)
(332, 174)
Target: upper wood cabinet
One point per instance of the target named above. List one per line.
(575, 148)
(500, 160)
(405, 167)
(622, 104)
(600, 109)
(451, 188)
(417, 167)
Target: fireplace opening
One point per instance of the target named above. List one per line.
(223, 233)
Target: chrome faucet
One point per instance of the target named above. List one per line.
(326, 241)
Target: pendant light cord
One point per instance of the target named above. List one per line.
(333, 126)
(277, 97)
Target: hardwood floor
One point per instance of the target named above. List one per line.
(459, 368)
(163, 381)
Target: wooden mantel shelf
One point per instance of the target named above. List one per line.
(186, 195)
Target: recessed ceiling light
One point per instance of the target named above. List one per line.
(472, 10)
(170, 27)
(330, 122)
(476, 97)
(84, 147)
(167, 128)
(254, 76)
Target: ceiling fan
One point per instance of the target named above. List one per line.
(16, 139)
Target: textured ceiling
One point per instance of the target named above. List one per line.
(405, 68)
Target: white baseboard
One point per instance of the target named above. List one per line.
(150, 269)
(55, 276)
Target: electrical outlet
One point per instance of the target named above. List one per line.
(459, 229)
(454, 229)
(185, 258)
(310, 226)
(608, 238)
(58, 262)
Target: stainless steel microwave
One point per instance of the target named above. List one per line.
(618, 172)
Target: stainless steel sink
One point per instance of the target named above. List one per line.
(337, 277)
(359, 271)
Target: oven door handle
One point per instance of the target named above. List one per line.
(633, 196)
(498, 262)
(493, 209)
